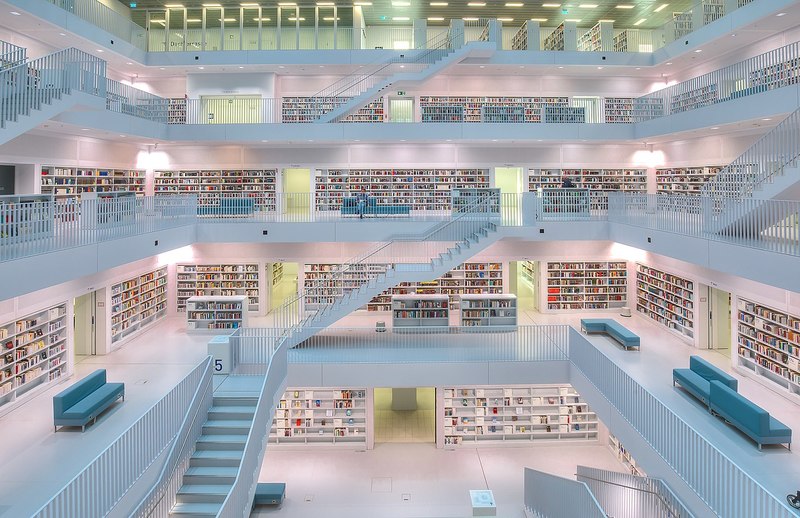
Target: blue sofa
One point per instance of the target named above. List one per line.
(228, 207)
(372, 208)
(697, 378)
(613, 329)
(269, 493)
(85, 400)
(748, 417)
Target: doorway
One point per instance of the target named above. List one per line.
(524, 277)
(405, 415)
(401, 109)
(719, 320)
(298, 192)
(283, 278)
(85, 324)
(232, 109)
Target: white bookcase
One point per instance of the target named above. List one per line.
(420, 189)
(277, 273)
(215, 280)
(555, 41)
(472, 109)
(512, 415)
(585, 285)
(323, 285)
(414, 311)
(34, 352)
(71, 182)
(769, 344)
(137, 302)
(176, 110)
(324, 416)
(684, 180)
(211, 185)
(25, 217)
(308, 109)
(624, 456)
(489, 312)
(529, 270)
(666, 298)
(634, 180)
(216, 313)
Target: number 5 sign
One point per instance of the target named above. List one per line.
(220, 350)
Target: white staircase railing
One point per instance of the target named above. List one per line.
(761, 164)
(551, 496)
(352, 86)
(11, 55)
(30, 85)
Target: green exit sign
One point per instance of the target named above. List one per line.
(400, 92)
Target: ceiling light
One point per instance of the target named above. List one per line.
(438, 4)
(483, 66)
(476, 4)
(123, 136)
(161, 68)
(609, 21)
(576, 20)
(261, 19)
(193, 20)
(781, 14)
(296, 19)
(538, 19)
(287, 4)
(551, 5)
(514, 4)
(15, 13)
(669, 63)
(400, 18)
(715, 127)
(202, 68)
(625, 6)
(84, 129)
(599, 68)
(227, 19)
(698, 51)
(331, 18)
(62, 34)
(587, 6)
(322, 4)
(162, 22)
(400, 3)
(281, 66)
(560, 67)
(470, 19)
(173, 6)
(660, 8)
(129, 63)
(249, 4)
(767, 119)
(100, 50)
(641, 21)
(505, 19)
(241, 67)
(435, 19)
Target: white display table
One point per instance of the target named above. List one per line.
(482, 502)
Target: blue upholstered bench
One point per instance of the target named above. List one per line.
(228, 207)
(85, 400)
(748, 417)
(612, 328)
(697, 378)
(350, 207)
(269, 493)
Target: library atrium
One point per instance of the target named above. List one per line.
(399, 258)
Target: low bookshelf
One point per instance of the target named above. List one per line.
(489, 312)
(216, 313)
(412, 312)
(218, 280)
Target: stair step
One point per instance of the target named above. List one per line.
(200, 493)
(222, 458)
(195, 510)
(226, 427)
(221, 442)
(240, 401)
(231, 412)
(210, 475)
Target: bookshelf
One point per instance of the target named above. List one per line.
(520, 39)
(489, 312)
(713, 10)
(25, 218)
(591, 40)
(215, 313)
(623, 41)
(176, 110)
(666, 299)
(473, 109)
(554, 114)
(71, 182)
(215, 280)
(211, 185)
(513, 415)
(585, 285)
(414, 311)
(693, 99)
(634, 180)
(529, 270)
(277, 273)
(685, 180)
(768, 342)
(466, 200)
(776, 76)
(555, 41)
(624, 456)
(466, 278)
(421, 189)
(34, 352)
(647, 108)
(683, 24)
(618, 110)
(137, 302)
(309, 109)
(323, 416)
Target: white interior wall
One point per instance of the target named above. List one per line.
(262, 84)
(34, 48)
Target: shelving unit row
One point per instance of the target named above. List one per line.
(218, 280)
(137, 302)
(300, 109)
(585, 285)
(474, 109)
(71, 182)
(684, 180)
(667, 299)
(212, 185)
(216, 313)
(634, 180)
(479, 312)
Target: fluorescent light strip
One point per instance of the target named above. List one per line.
(610, 21)
(551, 5)
(476, 4)
(438, 4)
(538, 19)
(227, 19)
(625, 6)
(295, 19)
(400, 18)
(324, 4)
(588, 6)
(249, 4)
(193, 20)
(212, 5)
(641, 21)
(435, 19)
(362, 3)
(576, 20)
(398, 3)
(173, 6)
(506, 19)
(262, 19)
(515, 4)
(331, 19)
(660, 8)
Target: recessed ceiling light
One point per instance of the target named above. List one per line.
(331, 18)
(483, 66)
(660, 8)
(281, 66)
(599, 68)
(123, 136)
(551, 5)
(781, 14)
(638, 68)
(400, 18)
(241, 67)
(640, 21)
(129, 63)
(587, 6)
(173, 6)
(100, 50)
(321, 4)
(609, 21)
(362, 3)
(15, 13)
(202, 68)
(698, 51)
(766, 119)
(470, 19)
(287, 4)
(249, 4)
(576, 20)
(514, 4)
(476, 4)
(669, 62)
(435, 19)
(161, 68)
(538, 19)
(212, 5)
(715, 127)
(195, 20)
(506, 19)
(84, 129)
(296, 19)
(560, 67)
(438, 4)
(400, 3)
(254, 19)
(625, 6)
(61, 34)
(227, 19)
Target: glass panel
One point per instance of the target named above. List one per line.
(345, 31)
(176, 37)
(232, 31)
(269, 28)
(250, 18)
(401, 110)
(307, 29)
(325, 32)
(156, 21)
(194, 29)
(288, 27)
(213, 28)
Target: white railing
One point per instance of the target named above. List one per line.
(233, 111)
(774, 69)
(551, 496)
(763, 162)
(570, 204)
(11, 54)
(627, 496)
(31, 84)
(96, 489)
(123, 98)
(675, 441)
(89, 221)
(161, 497)
(107, 19)
(699, 15)
(239, 501)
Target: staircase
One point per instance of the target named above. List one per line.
(218, 454)
(351, 93)
(35, 91)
